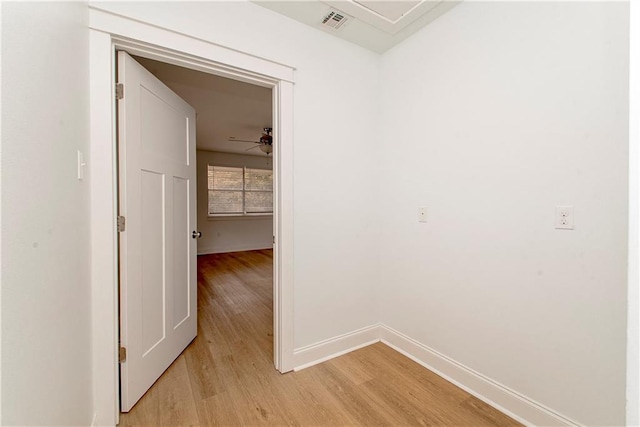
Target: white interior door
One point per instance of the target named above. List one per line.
(157, 197)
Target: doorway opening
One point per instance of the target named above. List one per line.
(234, 175)
(234, 213)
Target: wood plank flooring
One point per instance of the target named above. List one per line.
(226, 376)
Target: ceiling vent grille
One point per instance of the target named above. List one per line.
(335, 20)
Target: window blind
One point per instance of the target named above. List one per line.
(239, 190)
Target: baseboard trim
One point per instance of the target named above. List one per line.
(491, 392)
(209, 250)
(322, 351)
(501, 397)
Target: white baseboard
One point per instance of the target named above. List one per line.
(501, 397)
(208, 250)
(99, 421)
(495, 394)
(322, 351)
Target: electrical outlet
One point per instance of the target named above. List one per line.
(564, 217)
(422, 214)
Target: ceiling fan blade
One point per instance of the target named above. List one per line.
(243, 140)
(251, 148)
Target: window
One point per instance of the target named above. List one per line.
(239, 190)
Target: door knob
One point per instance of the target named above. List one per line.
(196, 234)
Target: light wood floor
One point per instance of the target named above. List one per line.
(226, 376)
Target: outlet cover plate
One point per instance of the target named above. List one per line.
(422, 214)
(564, 218)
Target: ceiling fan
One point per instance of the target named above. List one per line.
(265, 142)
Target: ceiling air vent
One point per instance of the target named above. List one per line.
(335, 20)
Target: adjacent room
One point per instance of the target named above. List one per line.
(231, 118)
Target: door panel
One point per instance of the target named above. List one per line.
(153, 263)
(157, 178)
(172, 145)
(182, 288)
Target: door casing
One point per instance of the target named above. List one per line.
(108, 33)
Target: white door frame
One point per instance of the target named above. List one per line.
(107, 33)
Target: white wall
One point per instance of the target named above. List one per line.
(336, 109)
(46, 358)
(230, 234)
(507, 110)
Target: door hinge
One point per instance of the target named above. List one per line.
(121, 224)
(119, 91)
(122, 355)
(274, 240)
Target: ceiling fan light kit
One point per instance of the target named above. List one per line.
(267, 149)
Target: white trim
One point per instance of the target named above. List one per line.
(283, 227)
(209, 250)
(633, 274)
(493, 393)
(1, 234)
(200, 52)
(107, 32)
(104, 271)
(337, 346)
